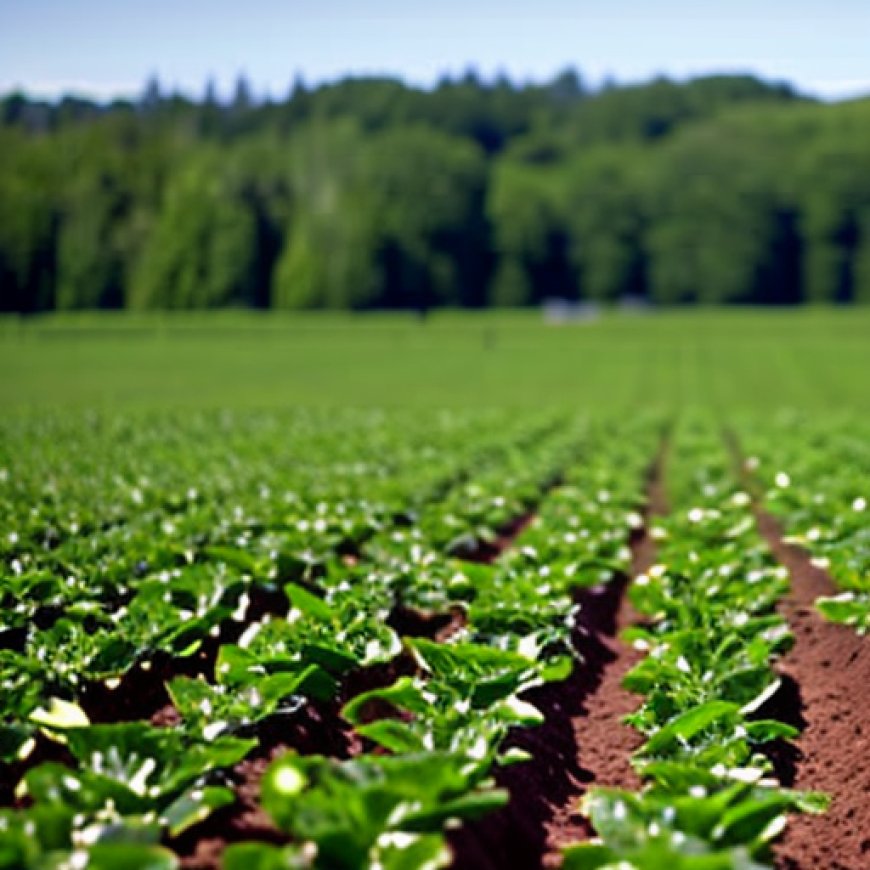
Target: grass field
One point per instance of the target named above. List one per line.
(728, 359)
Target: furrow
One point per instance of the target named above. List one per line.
(582, 741)
(822, 673)
(603, 743)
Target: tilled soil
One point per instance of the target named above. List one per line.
(312, 730)
(606, 744)
(827, 674)
(582, 742)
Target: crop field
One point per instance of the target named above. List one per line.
(470, 592)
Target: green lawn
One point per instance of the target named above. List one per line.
(731, 359)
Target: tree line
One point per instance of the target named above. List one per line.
(368, 193)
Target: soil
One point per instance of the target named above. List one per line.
(412, 622)
(486, 552)
(314, 729)
(827, 678)
(582, 741)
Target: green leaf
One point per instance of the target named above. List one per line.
(588, 856)
(239, 667)
(60, 714)
(135, 765)
(331, 657)
(308, 603)
(557, 669)
(263, 856)
(346, 808)
(130, 856)
(234, 556)
(469, 806)
(392, 734)
(752, 820)
(420, 852)
(404, 694)
(765, 730)
(814, 802)
(15, 742)
(195, 806)
(687, 725)
(847, 608)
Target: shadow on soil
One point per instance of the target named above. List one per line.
(516, 836)
(785, 706)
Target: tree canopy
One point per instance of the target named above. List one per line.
(369, 193)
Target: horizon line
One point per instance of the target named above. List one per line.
(835, 90)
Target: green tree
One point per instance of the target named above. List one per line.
(28, 223)
(328, 258)
(526, 207)
(89, 267)
(862, 259)
(603, 193)
(202, 251)
(713, 203)
(427, 193)
(834, 176)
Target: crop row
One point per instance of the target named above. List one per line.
(337, 619)
(86, 603)
(71, 494)
(444, 725)
(92, 612)
(272, 604)
(814, 477)
(710, 797)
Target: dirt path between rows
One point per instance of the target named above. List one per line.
(604, 743)
(582, 742)
(827, 682)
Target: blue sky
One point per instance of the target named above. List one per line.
(103, 48)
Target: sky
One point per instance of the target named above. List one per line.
(109, 48)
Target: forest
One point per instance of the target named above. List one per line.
(368, 193)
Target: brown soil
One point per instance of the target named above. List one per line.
(314, 729)
(827, 676)
(486, 552)
(604, 742)
(202, 847)
(582, 741)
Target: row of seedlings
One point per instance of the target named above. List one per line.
(438, 733)
(815, 482)
(85, 602)
(388, 570)
(111, 791)
(710, 797)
